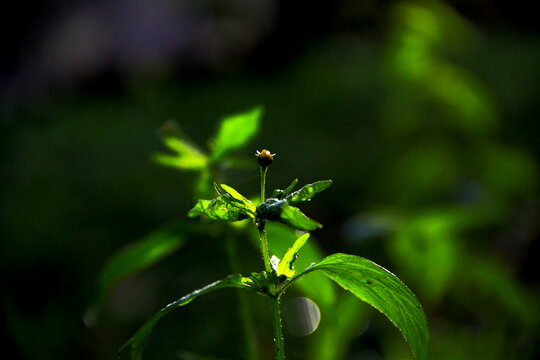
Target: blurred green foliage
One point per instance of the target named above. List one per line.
(429, 133)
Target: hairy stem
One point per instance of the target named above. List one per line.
(262, 233)
(263, 183)
(278, 333)
(272, 288)
(264, 249)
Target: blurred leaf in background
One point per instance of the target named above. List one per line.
(234, 133)
(449, 181)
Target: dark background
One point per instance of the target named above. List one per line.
(425, 115)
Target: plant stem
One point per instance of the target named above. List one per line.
(263, 183)
(264, 249)
(262, 233)
(272, 288)
(278, 333)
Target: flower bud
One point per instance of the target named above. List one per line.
(264, 158)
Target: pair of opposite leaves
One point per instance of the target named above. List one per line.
(368, 281)
(233, 206)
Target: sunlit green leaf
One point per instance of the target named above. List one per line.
(384, 291)
(182, 146)
(279, 210)
(235, 131)
(219, 209)
(307, 192)
(293, 217)
(285, 266)
(187, 156)
(138, 342)
(140, 255)
(232, 195)
(317, 286)
(180, 161)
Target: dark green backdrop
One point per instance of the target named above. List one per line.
(424, 114)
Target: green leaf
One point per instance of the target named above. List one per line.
(280, 194)
(187, 156)
(235, 131)
(232, 195)
(180, 161)
(290, 188)
(307, 192)
(230, 206)
(219, 209)
(138, 342)
(259, 281)
(317, 286)
(384, 291)
(285, 266)
(141, 255)
(293, 217)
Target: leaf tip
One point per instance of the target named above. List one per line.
(257, 110)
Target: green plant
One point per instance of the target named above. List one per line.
(365, 279)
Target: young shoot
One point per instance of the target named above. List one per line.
(368, 281)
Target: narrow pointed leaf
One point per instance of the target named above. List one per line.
(290, 188)
(181, 146)
(219, 209)
(138, 342)
(187, 156)
(293, 217)
(384, 291)
(280, 194)
(317, 286)
(140, 255)
(232, 195)
(235, 131)
(180, 161)
(285, 266)
(307, 192)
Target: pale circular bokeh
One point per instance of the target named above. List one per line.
(302, 316)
